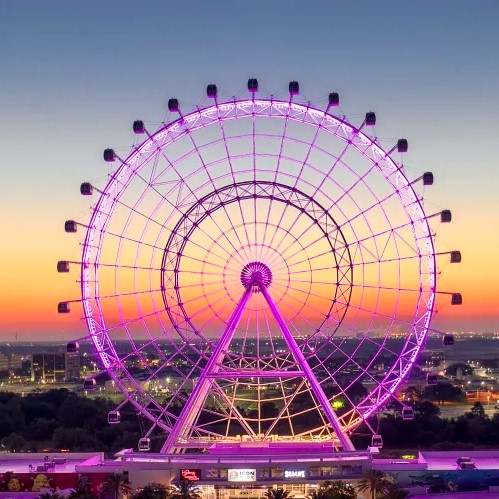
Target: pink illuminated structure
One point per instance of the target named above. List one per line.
(257, 270)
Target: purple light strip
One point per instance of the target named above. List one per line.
(254, 116)
(198, 396)
(316, 387)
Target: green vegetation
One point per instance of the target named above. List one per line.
(378, 484)
(82, 490)
(393, 491)
(381, 485)
(276, 494)
(183, 490)
(60, 419)
(429, 431)
(152, 491)
(114, 485)
(375, 482)
(49, 495)
(443, 392)
(334, 490)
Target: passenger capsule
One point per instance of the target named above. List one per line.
(407, 413)
(89, 385)
(377, 441)
(445, 216)
(211, 91)
(334, 99)
(73, 347)
(144, 444)
(86, 189)
(448, 340)
(370, 118)
(294, 88)
(62, 266)
(70, 226)
(427, 178)
(456, 299)
(63, 307)
(109, 155)
(431, 379)
(253, 85)
(402, 145)
(455, 257)
(173, 106)
(113, 417)
(138, 127)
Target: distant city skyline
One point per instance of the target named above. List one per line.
(74, 78)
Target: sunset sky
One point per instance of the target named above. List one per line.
(75, 75)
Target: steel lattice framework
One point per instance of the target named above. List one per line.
(250, 190)
(263, 256)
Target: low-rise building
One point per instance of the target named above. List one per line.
(247, 471)
(55, 367)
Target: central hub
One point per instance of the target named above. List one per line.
(256, 274)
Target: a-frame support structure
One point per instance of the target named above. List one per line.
(256, 277)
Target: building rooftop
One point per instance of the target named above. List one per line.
(59, 462)
(441, 461)
(483, 460)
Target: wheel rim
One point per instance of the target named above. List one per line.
(386, 234)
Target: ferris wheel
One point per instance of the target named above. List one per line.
(257, 269)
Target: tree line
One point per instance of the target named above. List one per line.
(378, 485)
(428, 430)
(61, 419)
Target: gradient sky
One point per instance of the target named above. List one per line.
(74, 76)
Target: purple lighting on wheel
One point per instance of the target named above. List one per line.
(321, 227)
(256, 274)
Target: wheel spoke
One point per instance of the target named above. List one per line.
(300, 212)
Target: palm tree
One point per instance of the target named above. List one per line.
(276, 494)
(393, 491)
(319, 493)
(126, 488)
(49, 495)
(82, 493)
(186, 490)
(111, 488)
(333, 490)
(152, 490)
(82, 490)
(341, 490)
(375, 482)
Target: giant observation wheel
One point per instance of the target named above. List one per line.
(250, 266)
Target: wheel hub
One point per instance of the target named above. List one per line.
(256, 274)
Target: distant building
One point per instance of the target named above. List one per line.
(437, 358)
(72, 371)
(55, 367)
(11, 362)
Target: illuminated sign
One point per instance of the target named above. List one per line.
(242, 475)
(193, 475)
(294, 473)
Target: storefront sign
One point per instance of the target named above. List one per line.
(193, 475)
(294, 473)
(242, 475)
